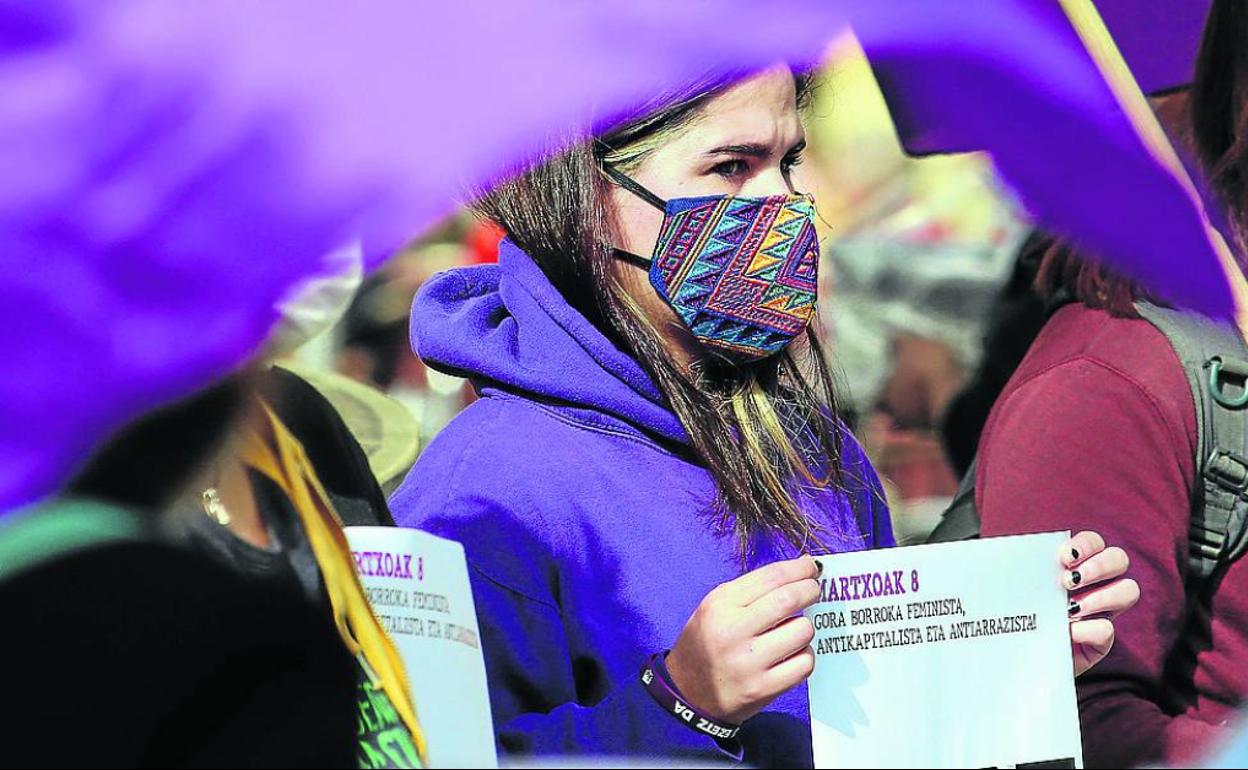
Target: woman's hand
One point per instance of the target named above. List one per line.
(745, 643)
(1098, 593)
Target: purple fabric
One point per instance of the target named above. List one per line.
(1158, 38)
(146, 240)
(585, 523)
(171, 169)
(1014, 79)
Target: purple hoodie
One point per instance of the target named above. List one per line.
(587, 524)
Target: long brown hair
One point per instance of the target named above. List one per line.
(1211, 120)
(767, 431)
(1219, 112)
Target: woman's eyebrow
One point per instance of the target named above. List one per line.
(750, 149)
(754, 149)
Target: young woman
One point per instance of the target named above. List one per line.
(1165, 695)
(655, 447)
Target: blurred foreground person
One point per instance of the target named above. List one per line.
(258, 475)
(1098, 429)
(131, 652)
(272, 506)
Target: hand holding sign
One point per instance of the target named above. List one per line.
(743, 646)
(955, 645)
(947, 655)
(1098, 593)
(746, 643)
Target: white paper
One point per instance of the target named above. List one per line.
(947, 655)
(418, 586)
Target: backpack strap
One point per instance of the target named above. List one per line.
(960, 521)
(1215, 360)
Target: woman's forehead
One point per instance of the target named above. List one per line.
(759, 110)
(773, 89)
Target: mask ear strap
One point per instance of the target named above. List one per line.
(633, 259)
(623, 180)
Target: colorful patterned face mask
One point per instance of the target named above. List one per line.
(741, 272)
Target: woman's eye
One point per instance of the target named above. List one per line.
(729, 168)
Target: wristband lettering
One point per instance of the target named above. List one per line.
(657, 682)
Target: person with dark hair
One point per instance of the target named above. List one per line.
(1098, 428)
(655, 450)
(135, 652)
(272, 509)
(220, 584)
(1017, 316)
(272, 506)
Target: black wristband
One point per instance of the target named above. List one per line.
(659, 684)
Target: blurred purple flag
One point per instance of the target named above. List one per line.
(1159, 38)
(1014, 79)
(170, 170)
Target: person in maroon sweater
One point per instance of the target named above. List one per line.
(1097, 430)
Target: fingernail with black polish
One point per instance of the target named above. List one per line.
(1073, 609)
(1075, 577)
(1074, 554)
(818, 568)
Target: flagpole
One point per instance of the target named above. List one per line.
(1113, 67)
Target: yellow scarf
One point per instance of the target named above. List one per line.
(272, 450)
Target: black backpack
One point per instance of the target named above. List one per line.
(1215, 359)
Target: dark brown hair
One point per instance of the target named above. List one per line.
(764, 431)
(1212, 122)
(1219, 110)
(145, 465)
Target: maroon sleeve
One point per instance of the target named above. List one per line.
(1084, 446)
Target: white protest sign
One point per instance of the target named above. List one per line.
(947, 655)
(418, 586)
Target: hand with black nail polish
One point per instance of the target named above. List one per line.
(1094, 576)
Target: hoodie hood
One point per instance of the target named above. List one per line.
(506, 326)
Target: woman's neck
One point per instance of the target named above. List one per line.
(237, 495)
